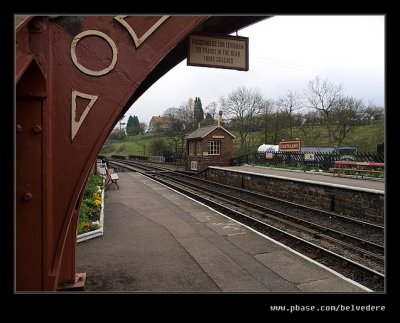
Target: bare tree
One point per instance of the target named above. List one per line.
(210, 112)
(183, 123)
(289, 105)
(321, 96)
(308, 127)
(267, 112)
(174, 114)
(190, 104)
(346, 113)
(242, 106)
(171, 113)
(373, 112)
(183, 115)
(211, 109)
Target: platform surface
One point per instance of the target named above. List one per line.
(157, 240)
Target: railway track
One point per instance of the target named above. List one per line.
(373, 249)
(359, 259)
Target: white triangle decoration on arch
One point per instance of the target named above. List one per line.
(138, 41)
(75, 125)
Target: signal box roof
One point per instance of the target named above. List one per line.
(201, 132)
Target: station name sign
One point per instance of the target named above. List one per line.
(219, 51)
(292, 145)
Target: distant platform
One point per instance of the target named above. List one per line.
(366, 184)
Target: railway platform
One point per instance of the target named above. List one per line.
(157, 240)
(327, 179)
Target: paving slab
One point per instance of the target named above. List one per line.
(292, 267)
(254, 244)
(226, 273)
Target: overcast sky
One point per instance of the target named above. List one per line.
(286, 52)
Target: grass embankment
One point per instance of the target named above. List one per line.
(137, 145)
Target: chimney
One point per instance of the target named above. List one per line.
(220, 122)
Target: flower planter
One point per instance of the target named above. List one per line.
(98, 232)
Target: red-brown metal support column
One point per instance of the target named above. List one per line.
(76, 76)
(29, 177)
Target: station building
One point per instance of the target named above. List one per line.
(208, 146)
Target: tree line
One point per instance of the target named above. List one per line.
(322, 106)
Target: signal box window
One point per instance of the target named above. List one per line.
(214, 147)
(192, 146)
(198, 148)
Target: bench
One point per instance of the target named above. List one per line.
(112, 178)
(360, 168)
